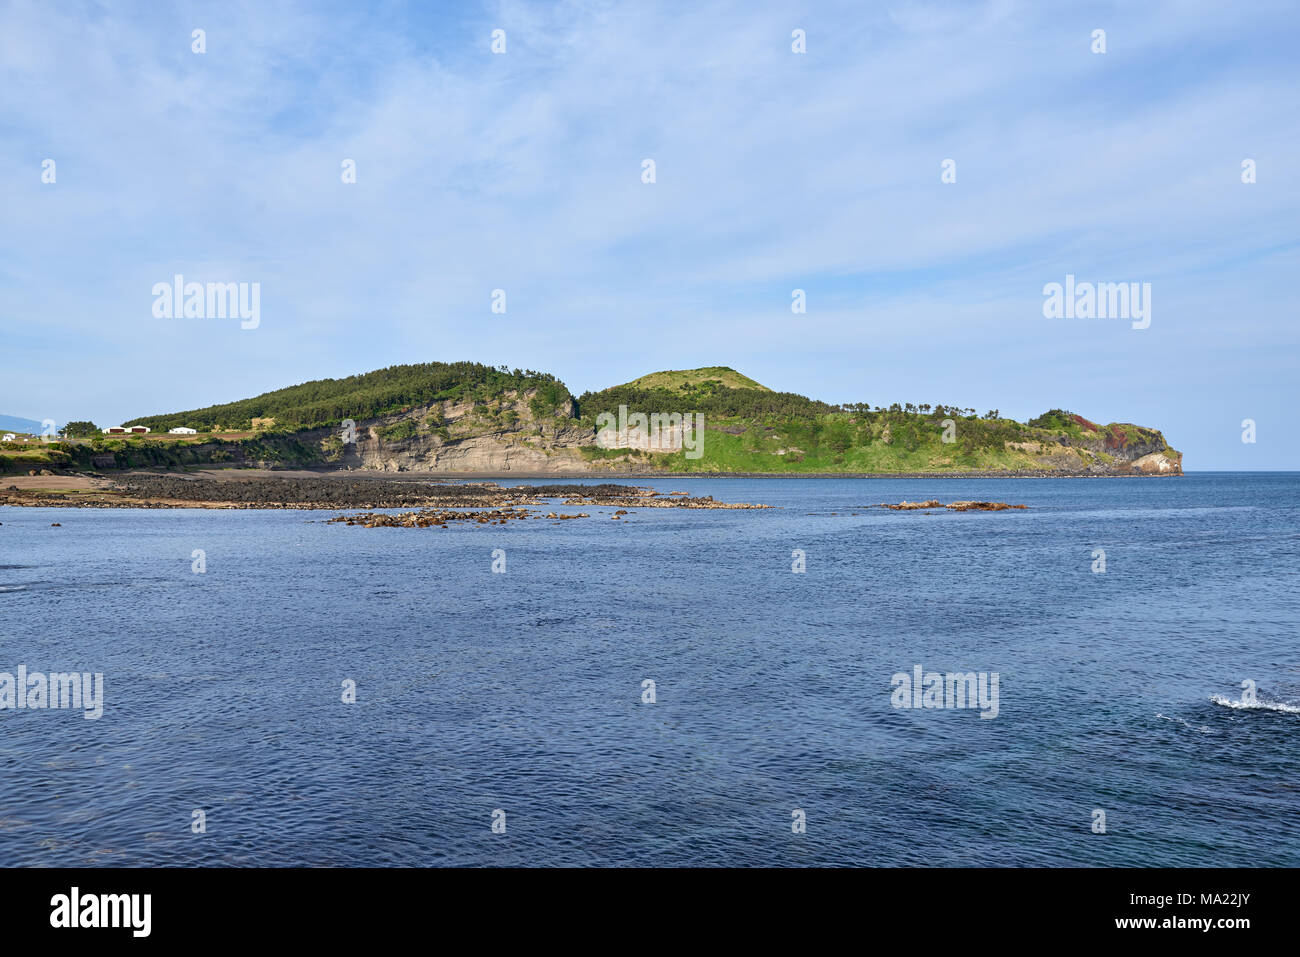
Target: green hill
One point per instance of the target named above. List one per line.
(750, 428)
(693, 380)
(324, 402)
(469, 417)
(717, 391)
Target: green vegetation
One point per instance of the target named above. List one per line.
(748, 427)
(326, 402)
(138, 452)
(680, 381)
(399, 431)
(597, 453)
(713, 400)
(19, 457)
(1118, 435)
(881, 441)
(757, 430)
(551, 393)
(81, 430)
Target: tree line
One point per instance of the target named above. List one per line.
(324, 402)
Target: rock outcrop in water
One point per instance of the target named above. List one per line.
(435, 518)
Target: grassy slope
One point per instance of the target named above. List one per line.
(806, 451)
(812, 447)
(675, 380)
(748, 431)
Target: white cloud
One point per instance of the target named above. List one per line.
(521, 172)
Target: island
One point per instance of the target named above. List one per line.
(470, 419)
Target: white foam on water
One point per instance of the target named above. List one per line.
(1255, 705)
(1185, 724)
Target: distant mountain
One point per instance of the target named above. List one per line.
(14, 423)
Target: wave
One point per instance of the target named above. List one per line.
(5, 588)
(1255, 705)
(1185, 724)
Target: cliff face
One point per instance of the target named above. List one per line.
(1159, 463)
(1129, 448)
(496, 422)
(505, 435)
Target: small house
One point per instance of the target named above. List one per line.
(182, 430)
(8, 437)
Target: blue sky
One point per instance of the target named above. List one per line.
(774, 171)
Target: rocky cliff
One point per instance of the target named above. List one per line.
(505, 435)
(500, 435)
(466, 417)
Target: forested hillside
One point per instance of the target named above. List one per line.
(323, 402)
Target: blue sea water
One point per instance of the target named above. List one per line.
(522, 692)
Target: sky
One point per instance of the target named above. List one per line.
(774, 170)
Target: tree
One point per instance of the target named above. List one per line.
(80, 430)
(839, 437)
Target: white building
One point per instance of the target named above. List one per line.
(125, 430)
(182, 430)
(8, 437)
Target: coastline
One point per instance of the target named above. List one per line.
(627, 476)
(235, 474)
(105, 481)
(153, 490)
(347, 489)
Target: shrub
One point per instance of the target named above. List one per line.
(399, 431)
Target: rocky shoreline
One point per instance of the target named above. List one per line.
(264, 492)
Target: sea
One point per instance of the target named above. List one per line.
(683, 687)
